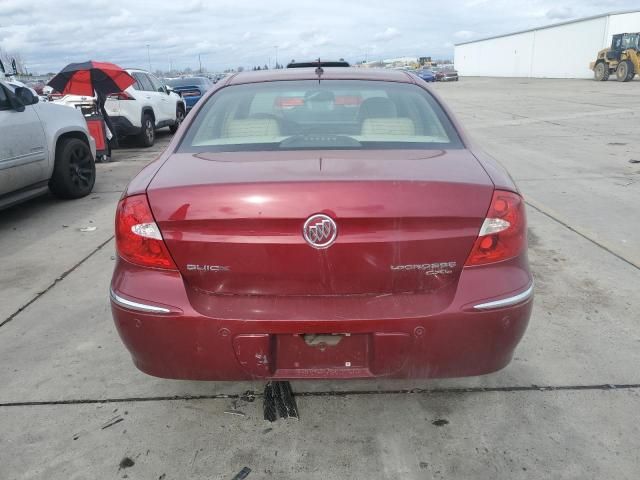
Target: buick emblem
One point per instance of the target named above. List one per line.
(320, 231)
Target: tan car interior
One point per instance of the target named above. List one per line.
(377, 116)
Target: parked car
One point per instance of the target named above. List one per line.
(217, 77)
(321, 241)
(447, 74)
(42, 147)
(37, 85)
(425, 74)
(144, 107)
(190, 88)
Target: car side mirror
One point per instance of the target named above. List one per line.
(15, 102)
(169, 89)
(26, 96)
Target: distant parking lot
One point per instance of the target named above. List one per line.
(73, 406)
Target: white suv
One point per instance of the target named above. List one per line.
(144, 107)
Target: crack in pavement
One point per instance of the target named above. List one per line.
(538, 208)
(55, 282)
(588, 177)
(331, 393)
(556, 120)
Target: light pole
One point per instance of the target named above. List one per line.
(200, 63)
(276, 47)
(149, 57)
(366, 55)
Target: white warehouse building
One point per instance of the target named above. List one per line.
(561, 50)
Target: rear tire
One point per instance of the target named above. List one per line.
(179, 119)
(624, 72)
(74, 173)
(147, 136)
(601, 72)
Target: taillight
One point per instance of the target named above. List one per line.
(121, 96)
(504, 232)
(138, 238)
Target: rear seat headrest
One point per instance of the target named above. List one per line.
(388, 126)
(377, 107)
(252, 127)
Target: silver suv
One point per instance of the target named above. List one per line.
(42, 147)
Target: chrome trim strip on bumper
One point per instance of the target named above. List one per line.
(142, 307)
(506, 302)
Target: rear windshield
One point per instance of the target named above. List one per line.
(331, 114)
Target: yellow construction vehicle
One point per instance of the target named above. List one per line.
(623, 58)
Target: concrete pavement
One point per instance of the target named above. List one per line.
(72, 406)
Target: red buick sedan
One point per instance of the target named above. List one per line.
(321, 224)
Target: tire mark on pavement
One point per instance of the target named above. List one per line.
(344, 393)
(55, 282)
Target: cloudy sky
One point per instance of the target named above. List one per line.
(229, 33)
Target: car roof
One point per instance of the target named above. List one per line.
(336, 73)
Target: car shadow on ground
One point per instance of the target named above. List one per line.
(11, 215)
(129, 143)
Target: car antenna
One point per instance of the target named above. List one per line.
(319, 70)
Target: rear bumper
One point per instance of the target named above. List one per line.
(180, 342)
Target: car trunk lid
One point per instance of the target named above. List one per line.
(406, 220)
